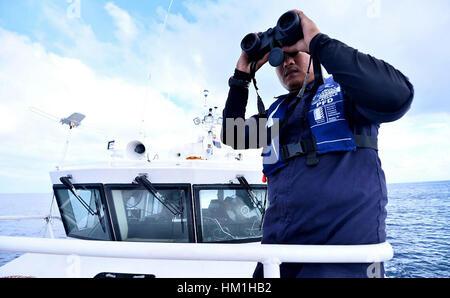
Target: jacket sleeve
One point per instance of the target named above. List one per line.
(238, 132)
(379, 92)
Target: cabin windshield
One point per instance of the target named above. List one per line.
(78, 221)
(141, 217)
(227, 213)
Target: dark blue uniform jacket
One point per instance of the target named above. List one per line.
(341, 201)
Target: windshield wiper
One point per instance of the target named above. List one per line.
(175, 210)
(251, 193)
(71, 187)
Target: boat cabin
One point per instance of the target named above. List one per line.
(184, 202)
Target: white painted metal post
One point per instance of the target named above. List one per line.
(272, 268)
(50, 229)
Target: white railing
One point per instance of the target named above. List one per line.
(271, 256)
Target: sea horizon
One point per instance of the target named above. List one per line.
(394, 183)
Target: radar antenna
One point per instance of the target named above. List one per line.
(73, 121)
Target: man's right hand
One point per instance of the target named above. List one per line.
(244, 64)
(310, 30)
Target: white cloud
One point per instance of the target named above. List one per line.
(127, 29)
(60, 86)
(416, 148)
(77, 39)
(8, 122)
(108, 81)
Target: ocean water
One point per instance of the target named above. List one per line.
(27, 205)
(418, 230)
(417, 227)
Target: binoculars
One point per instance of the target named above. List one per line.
(287, 32)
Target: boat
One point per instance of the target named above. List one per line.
(197, 214)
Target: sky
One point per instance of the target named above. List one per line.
(112, 61)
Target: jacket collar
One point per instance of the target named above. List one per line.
(309, 87)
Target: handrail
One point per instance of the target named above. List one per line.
(29, 217)
(270, 255)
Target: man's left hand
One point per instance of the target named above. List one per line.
(310, 30)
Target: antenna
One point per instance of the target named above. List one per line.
(65, 150)
(205, 94)
(167, 16)
(210, 123)
(44, 114)
(142, 131)
(73, 121)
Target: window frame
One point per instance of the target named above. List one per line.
(198, 224)
(106, 217)
(189, 208)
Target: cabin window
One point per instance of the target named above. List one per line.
(78, 220)
(229, 214)
(141, 217)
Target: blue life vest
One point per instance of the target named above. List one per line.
(328, 124)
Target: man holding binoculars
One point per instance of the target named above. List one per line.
(325, 181)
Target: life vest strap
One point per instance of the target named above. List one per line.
(305, 148)
(366, 142)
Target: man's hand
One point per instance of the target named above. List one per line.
(310, 30)
(244, 63)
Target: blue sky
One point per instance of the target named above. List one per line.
(97, 60)
(26, 16)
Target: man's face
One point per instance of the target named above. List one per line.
(293, 70)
